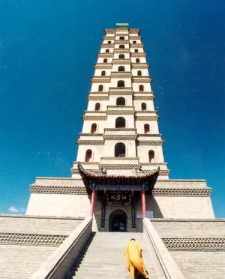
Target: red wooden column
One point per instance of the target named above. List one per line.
(93, 198)
(143, 204)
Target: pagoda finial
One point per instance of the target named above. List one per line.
(122, 24)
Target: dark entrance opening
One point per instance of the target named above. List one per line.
(118, 221)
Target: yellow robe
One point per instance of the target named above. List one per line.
(134, 259)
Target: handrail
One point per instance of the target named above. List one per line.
(168, 265)
(62, 260)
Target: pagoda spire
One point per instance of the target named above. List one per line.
(120, 130)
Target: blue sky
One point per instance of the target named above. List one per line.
(47, 53)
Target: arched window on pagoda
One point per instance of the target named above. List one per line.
(121, 56)
(136, 50)
(120, 122)
(121, 69)
(137, 60)
(141, 87)
(134, 42)
(121, 46)
(93, 128)
(146, 128)
(97, 106)
(109, 42)
(151, 155)
(121, 84)
(103, 73)
(88, 155)
(105, 60)
(120, 101)
(107, 50)
(100, 87)
(120, 150)
(139, 73)
(122, 38)
(143, 106)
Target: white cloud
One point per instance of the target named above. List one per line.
(13, 209)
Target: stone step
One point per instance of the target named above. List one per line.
(103, 264)
(100, 271)
(104, 276)
(104, 257)
(97, 269)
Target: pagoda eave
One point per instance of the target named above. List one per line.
(103, 182)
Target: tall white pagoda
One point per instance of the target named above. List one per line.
(78, 226)
(120, 174)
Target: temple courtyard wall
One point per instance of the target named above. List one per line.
(201, 264)
(26, 242)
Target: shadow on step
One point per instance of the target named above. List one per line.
(76, 264)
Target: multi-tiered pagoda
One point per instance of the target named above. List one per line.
(78, 226)
(120, 174)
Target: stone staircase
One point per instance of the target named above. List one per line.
(104, 257)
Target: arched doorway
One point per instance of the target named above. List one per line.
(118, 221)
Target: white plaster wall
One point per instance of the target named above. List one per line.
(185, 207)
(109, 148)
(142, 59)
(109, 36)
(125, 37)
(91, 105)
(103, 50)
(98, 72)
(128, 99)
(142, 151)
(97, 151)
(149, 105)
(137, 41)
(111, 121)
(116, 66)
(126, 46)
(147, 86)
(94, 86)
(126, 55)
(58, 205)
(153, 126)
(140, 49)
(87, 126)
(123, 32)
(140, 129)
(115, 80)
(106, 41)
(143, 71)
(101, 59)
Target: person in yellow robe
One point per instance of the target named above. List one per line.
(134, 259)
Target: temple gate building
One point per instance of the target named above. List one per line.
(119, 187)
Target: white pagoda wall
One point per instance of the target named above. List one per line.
(154, 129)
(58, 205)
(113, 98)
(185, 207)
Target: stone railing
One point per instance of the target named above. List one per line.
(65, 257)
(195, 243)
(168, 265)
(31, 239)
